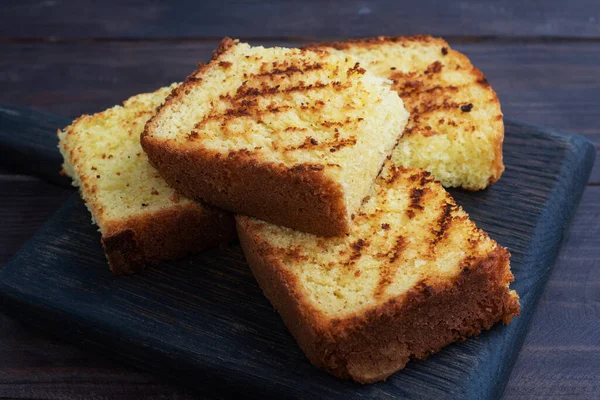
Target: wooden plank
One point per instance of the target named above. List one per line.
(55, 369)
(25, 204)
(561, 355)
(308, 19)
(555, 85)
(36, 366)
(562, 332)
(29, 143)
(211, 326)
(33, 364)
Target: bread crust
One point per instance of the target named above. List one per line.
(302, 198)
(370, 346)
(375, 40)
(169, 234)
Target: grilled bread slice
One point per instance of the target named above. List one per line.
(455, 129)
(413, 275)
(294, 137)
(142, 220)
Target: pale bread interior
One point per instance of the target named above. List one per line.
(103, 156)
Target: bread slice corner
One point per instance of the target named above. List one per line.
(413, 275)
(142, 220)
(294, 137)
(456, 127)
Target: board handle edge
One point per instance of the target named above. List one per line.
(29, 143)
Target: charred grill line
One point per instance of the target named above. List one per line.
(388, 270)
(444, 221)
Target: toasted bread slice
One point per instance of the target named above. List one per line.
(142, 220)
(413, 275)
(294, 137)
(455, 129)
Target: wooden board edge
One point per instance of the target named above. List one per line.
(581, 157)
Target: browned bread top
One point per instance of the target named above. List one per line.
(315, 124)
(408, 232)
(455, 130)
(413, 274)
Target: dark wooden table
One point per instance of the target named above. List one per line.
(74, 57)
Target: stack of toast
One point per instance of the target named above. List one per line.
(331, 162)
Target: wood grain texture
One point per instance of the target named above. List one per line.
(34, 365)
(25, 204)
(289, 18)
(29, 143)
(551, 81)
(561, 355)
(212, 328)
(548, 84)
(54, 369)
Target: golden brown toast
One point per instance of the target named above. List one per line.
(142, 220)
(455, 129)
(413, 275)
(294, 137)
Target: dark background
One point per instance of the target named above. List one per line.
(74, 57)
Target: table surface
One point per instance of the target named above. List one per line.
(72, 57)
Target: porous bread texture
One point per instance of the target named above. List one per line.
(102, 154)
(291, 136)
(140, 217)
(456, 128)
(413, 275)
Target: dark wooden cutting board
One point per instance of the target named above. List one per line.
(203, 320)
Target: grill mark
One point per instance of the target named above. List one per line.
(329, 124)
(444, 89)
(428, 107)
(309, 142)
(295, 253)
(244, 108)
(424, 177)
(243, 91)
(389, 269)
(245, 103)
(356, 70)
(395, 173)
(434, 68)
(295, 129)
(415, 126)
(416, 194)
(335, 144)
(288, 70)
(307, 167)
(356, 253)
(398, 248)
(413, 85)
(444, 222)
